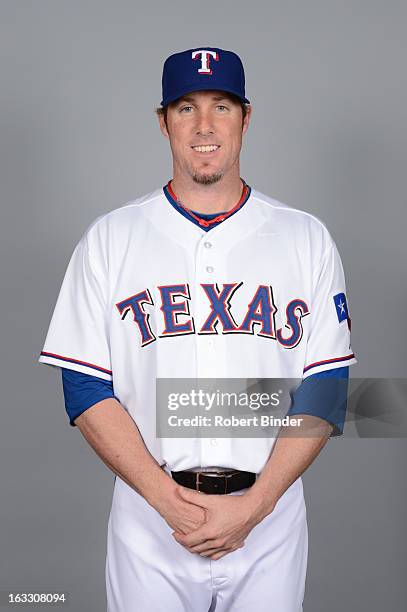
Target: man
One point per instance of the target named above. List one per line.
(205, 278)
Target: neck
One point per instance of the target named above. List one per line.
(219, 197)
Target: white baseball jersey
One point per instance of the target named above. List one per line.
(150, 294)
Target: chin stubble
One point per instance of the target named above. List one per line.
(207, 179)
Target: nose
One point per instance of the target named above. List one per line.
(204, 124)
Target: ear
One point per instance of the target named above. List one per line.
(246, 120)
(163, 126)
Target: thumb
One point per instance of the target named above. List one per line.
(193, 497)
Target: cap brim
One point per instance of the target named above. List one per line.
(203, 87)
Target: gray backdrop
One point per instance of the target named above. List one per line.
(79, 83)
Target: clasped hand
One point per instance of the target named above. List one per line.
(229, 520)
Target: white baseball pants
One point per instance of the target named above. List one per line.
(148, 571)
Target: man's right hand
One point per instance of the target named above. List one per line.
(180, 515)
(115, 437)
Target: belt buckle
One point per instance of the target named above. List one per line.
(219, 474)
(197, 483)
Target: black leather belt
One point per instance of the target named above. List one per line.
(215, 483)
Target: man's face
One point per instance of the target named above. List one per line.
(205, 130)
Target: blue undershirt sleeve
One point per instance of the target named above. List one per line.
(325, 395)
(327, 400)
(81, 391)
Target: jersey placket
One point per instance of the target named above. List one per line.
(210, 348)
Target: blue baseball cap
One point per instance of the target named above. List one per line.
(201, 69)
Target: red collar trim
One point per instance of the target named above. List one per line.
(219, 218)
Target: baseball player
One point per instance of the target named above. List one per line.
(203, 278)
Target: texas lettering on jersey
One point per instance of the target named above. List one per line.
(177, 319)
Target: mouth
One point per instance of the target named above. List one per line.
(210, 148)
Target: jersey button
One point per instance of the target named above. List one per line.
(207, 245)
(209, 269)
(214, 442)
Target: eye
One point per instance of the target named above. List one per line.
(185, 109)
(222, 107)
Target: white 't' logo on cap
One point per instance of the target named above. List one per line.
(205, 60)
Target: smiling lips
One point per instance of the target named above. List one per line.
(206, 148)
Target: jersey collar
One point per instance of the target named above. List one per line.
(204, 221)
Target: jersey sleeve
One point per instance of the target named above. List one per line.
(329, 344)
(78, 336)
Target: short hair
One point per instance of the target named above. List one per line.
(162, 110)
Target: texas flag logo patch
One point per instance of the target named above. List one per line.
(342, 308)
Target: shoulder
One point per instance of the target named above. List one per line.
(295, 222)
(119, 220)
(133, 209)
